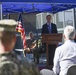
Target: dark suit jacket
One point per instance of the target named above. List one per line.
(45, 28)
(52, 47)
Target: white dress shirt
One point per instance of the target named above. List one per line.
(65, 56)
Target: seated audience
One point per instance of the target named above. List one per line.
(31, 43)
(31, 49)
(65, 55)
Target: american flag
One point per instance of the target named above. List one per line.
(20, 29)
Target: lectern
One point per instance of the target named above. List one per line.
(51, 41)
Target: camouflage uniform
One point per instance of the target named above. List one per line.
(10, 65)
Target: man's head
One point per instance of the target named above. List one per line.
(7, 34)
(48, 18)
(69, 33)
(31, 35)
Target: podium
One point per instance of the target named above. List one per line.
(51, 41)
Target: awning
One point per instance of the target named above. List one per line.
(23, 7)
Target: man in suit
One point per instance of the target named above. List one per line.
(49, 27)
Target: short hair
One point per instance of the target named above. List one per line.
(69, 32)
(48, 15)
(6, 37)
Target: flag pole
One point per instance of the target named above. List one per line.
(1, 10)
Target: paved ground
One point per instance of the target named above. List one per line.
(29, 57)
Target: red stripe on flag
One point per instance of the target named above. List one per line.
(20, 29)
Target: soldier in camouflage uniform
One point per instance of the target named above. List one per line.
(9, 63)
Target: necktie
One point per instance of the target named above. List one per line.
(49, 28)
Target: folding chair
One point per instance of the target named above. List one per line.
(72, 70)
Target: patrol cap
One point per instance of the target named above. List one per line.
(8, 25)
